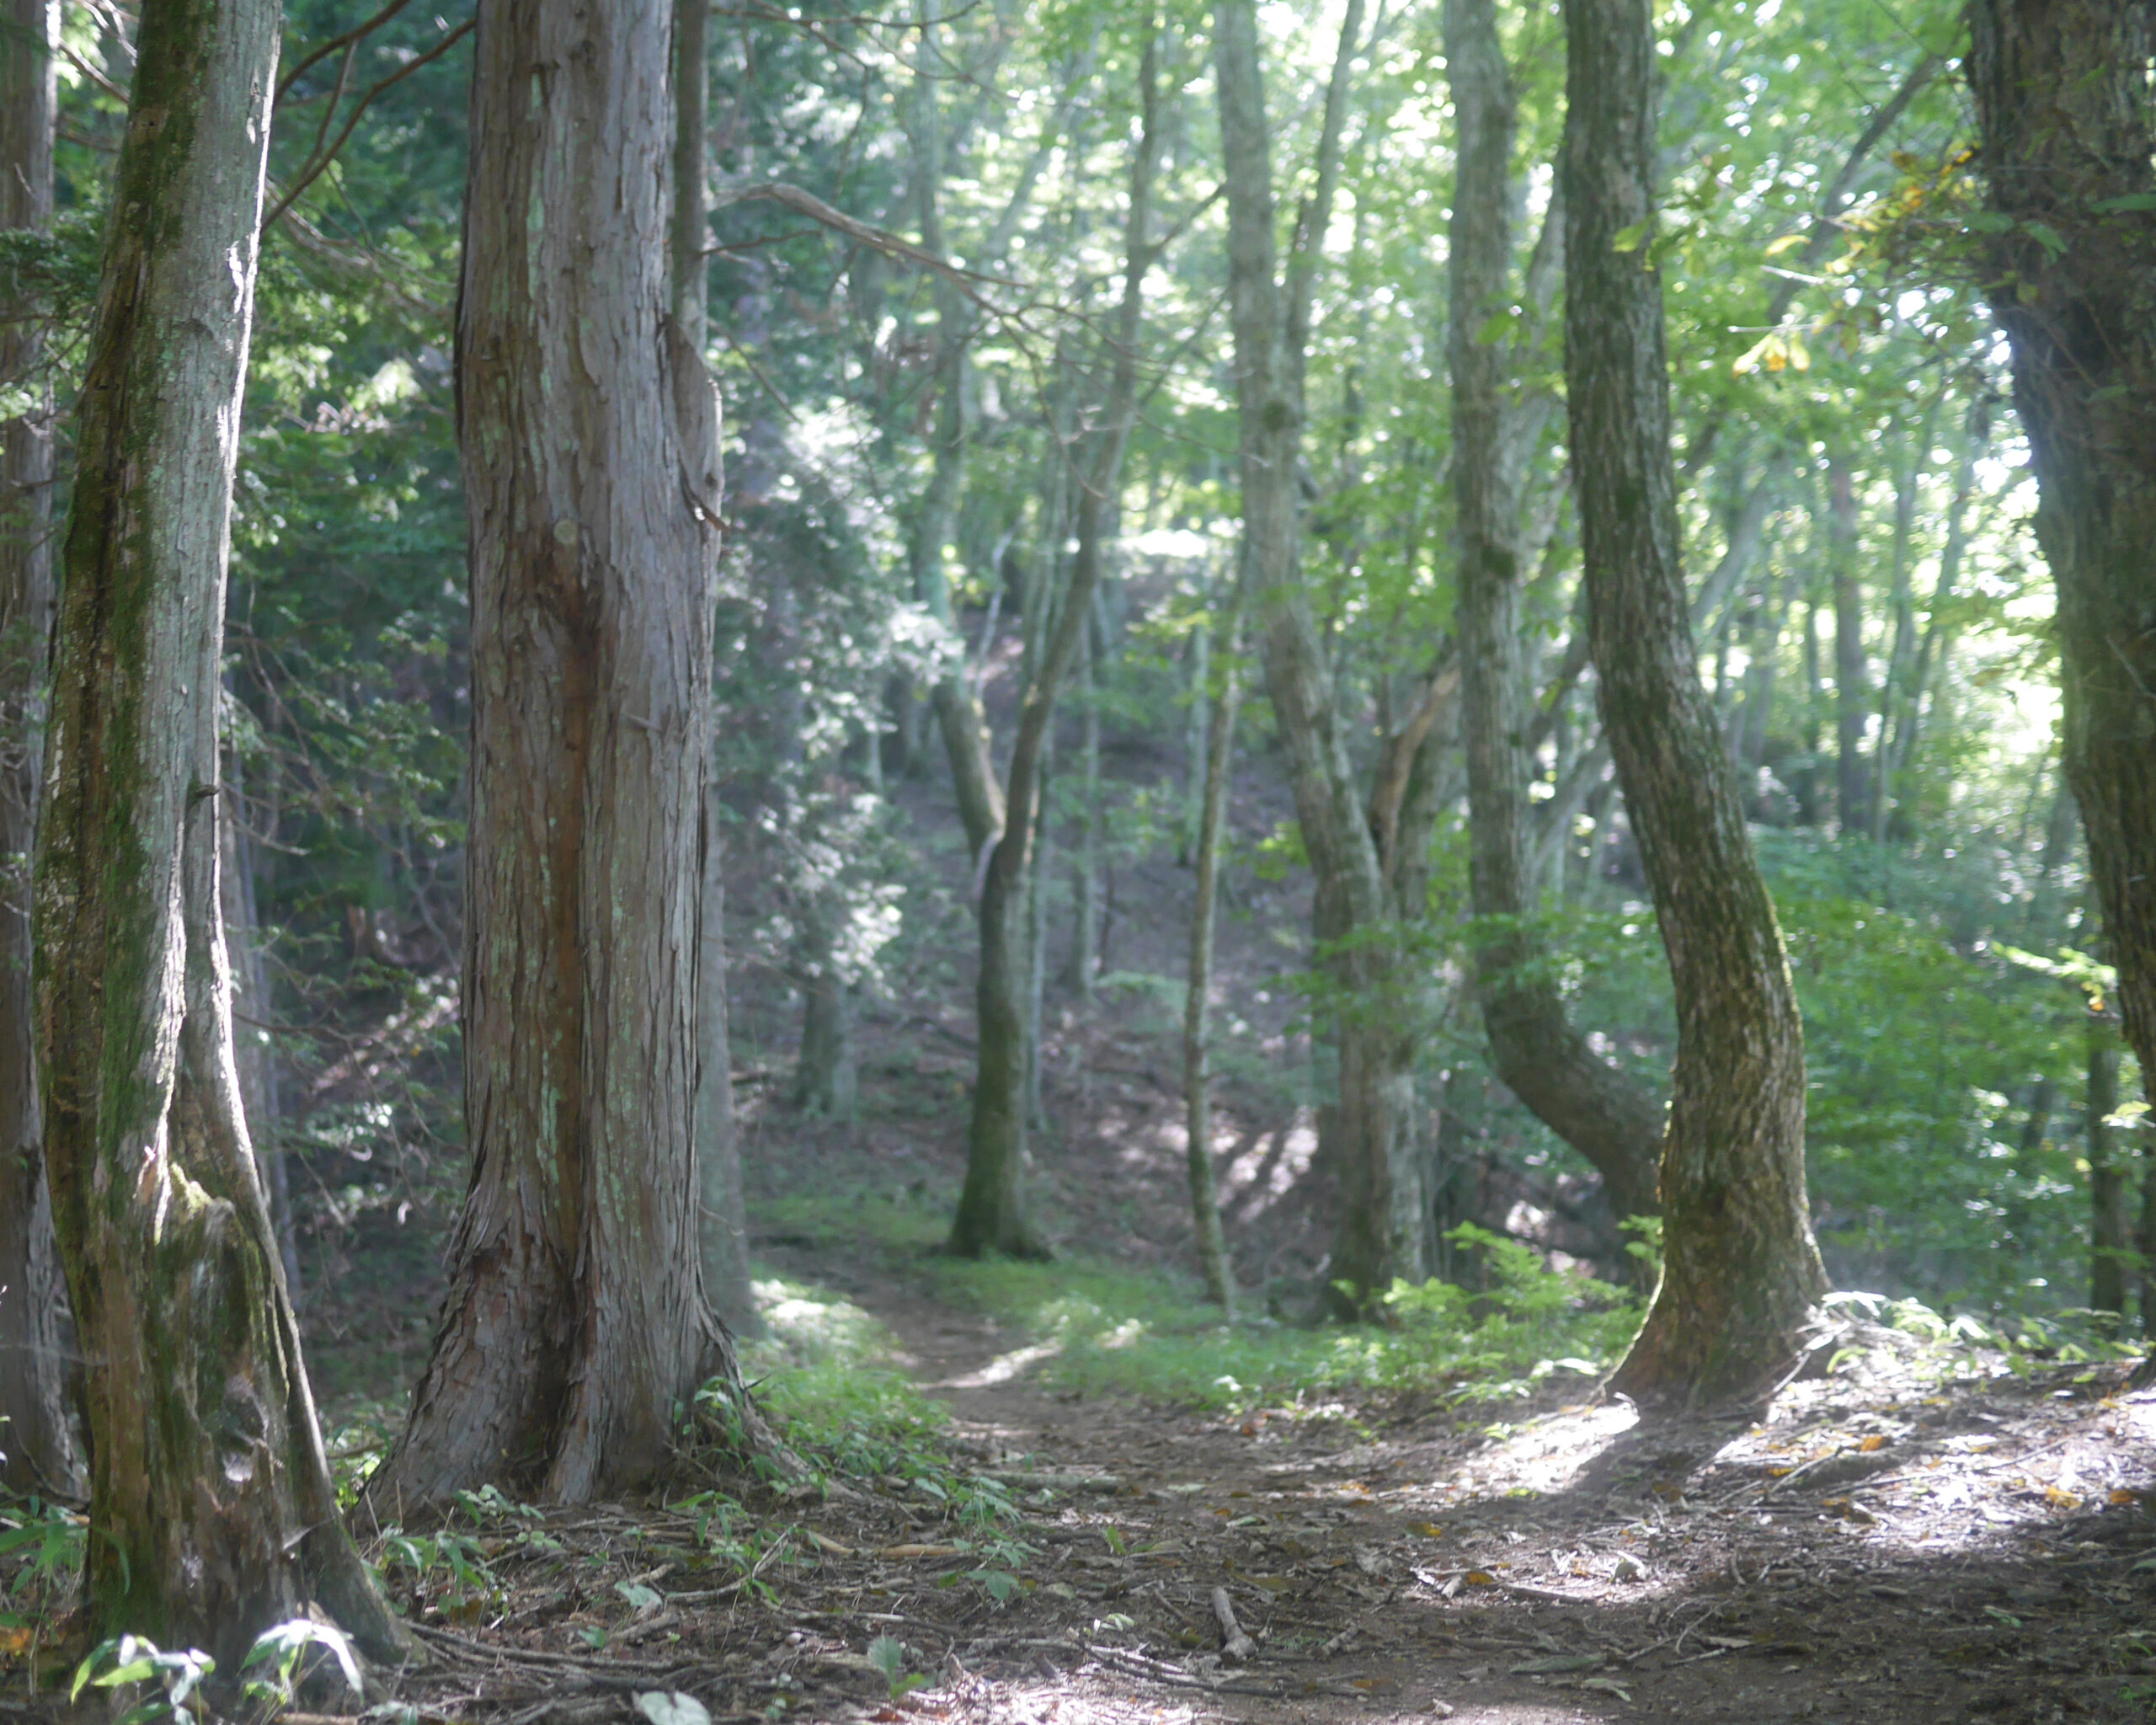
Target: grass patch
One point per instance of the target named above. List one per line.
(1117, 1331)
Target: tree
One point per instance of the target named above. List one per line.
(575, 1322)
(212, 1513)
(1740, 1271)
(721, 1212)
(2067, 120)
(1356, 850)
(37, 1446)
(992, 1215)
(1590, 1103)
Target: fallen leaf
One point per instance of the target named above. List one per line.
(672, 1707)
(1430, 1529)
(2061, 1500)
(17, 1641)
(920, 1552)
(1607, 1685)
(1872, 1442)
(2122, 1496)
(831, 1546)
(1481, 1577)
(1563, 1662)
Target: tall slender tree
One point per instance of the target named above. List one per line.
(1359, 849)
(37, 1445)
(575, 1321)
(992, 1213)
(212, 1513)
(1595, 1107)
(1741, 1270)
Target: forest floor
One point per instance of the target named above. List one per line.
(1880, 1546)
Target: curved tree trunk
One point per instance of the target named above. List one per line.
(212, 1514)
(575, 1321)
(1546, 1062)
(37, 1438)
(1742, 1272)
(2068, 119)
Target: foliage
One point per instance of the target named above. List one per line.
(120, 1661)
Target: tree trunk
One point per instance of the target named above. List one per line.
(825, 1079)
(2111, 1238)
(36, 1430)
(991, 1206)
(1378, 1230)
(1085, 866)
(1220, 730)
(722, 1208)
(2068, 120)
(212, 1513)
(1852, 681)
(1546, 1062)
(1742, 1271)
(575, 1321)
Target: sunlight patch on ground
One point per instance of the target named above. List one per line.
(1543, 1454)
(1001, 1369)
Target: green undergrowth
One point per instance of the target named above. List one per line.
(1088, 1324)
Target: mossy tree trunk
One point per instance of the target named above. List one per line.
(37, 1442)
(575, 1322)
(2067, 120)
(212, 1513)
(1742, 1272)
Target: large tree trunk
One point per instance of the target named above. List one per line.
(1546, 1063)
(1371, 1145)
(36, 1438)
(575, 1321)
(992, 1213)
(212, 1514)
(2068, 119)
(1742, 1272)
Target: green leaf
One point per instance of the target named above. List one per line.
(2131, 202)
(1631, 239)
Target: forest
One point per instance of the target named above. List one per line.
(1077, 860)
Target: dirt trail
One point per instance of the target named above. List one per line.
(1926, 1564)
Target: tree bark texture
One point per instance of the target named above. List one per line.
(992, 1213)
(1542, 1058)
(1742, 1271)
(575, 1321)
(2067, 119)
(1378, 1230)
(37, 1441)
(212, 1513)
